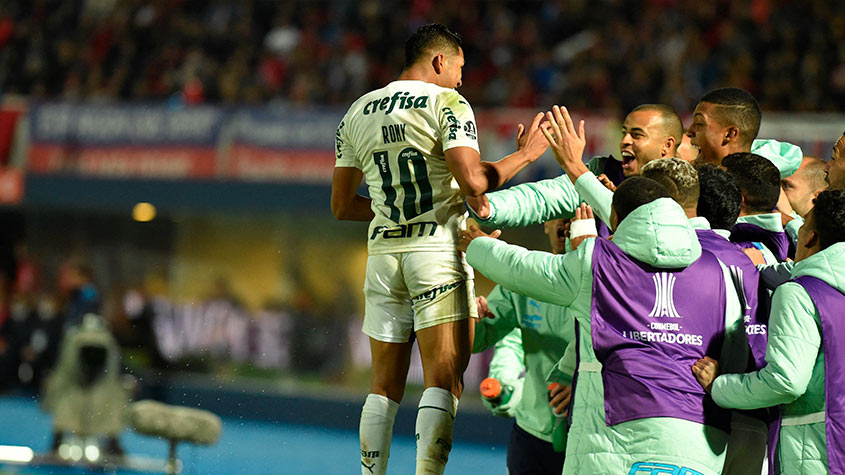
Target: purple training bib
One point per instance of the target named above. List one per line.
(746, 279)
(830, 304)
(649, 326)
(744, 234)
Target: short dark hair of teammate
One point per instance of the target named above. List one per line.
(429, 37)
(828, 217)
(671, 121)
(720, 199)
(678, 177)
(757, 178)
(736, 107)
(635, 192)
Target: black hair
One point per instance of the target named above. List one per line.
(757, 178)
(720, 199)
(432, 35)
(671, 120)
(635, 192)
(829, 217)
(736, 107)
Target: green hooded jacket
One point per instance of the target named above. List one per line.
(657, 234)
(794, 375)
(546, 330)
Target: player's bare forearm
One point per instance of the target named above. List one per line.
(359, 209)
(476, 177)
(498, 173)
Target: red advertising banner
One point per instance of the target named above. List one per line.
(124, 162)
(254, 163)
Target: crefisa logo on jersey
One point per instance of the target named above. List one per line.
(470, 130)
(664, 296)
(402, 99)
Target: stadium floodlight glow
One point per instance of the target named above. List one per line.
(16, 453)
(143, 212)
(75, 453)
(92, 453)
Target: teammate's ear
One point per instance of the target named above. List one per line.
(731, 134)
(812, 240)
(669, 147)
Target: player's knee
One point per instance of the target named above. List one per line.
(392, 390)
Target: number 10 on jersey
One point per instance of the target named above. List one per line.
(415, 187)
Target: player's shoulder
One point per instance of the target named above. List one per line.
(366, 99)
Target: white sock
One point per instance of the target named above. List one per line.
(376, 431)
(435, 417)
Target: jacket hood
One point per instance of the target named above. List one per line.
(786, 156)
(768, 221)
(659, 234)
(825, 265)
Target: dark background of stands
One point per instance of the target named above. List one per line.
(602, 56)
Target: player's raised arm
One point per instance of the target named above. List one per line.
(476, 177)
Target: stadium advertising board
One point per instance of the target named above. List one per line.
(124, 141)
(282, 145)
(288, 144)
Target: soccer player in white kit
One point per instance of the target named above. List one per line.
(415, 142)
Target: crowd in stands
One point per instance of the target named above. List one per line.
(609, 55)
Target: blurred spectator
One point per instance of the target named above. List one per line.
(76, 287)
(31, 334)
(610, 55)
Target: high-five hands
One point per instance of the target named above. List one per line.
(567, 143)
(705, 371)
(531, 140)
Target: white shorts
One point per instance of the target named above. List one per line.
(409, 291)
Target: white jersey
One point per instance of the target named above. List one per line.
(397, 136)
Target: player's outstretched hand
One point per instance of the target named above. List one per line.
(483, 308)
(567, 143)
(705, 371)
(472, 232)
(583, 226)
(531, 140)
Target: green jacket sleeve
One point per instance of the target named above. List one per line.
(509, 357)
(488, 331)
(531, 203)
(794, 342)
(596, 195)
(555, 279)
(793, 226)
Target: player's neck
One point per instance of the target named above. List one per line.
(417, 73)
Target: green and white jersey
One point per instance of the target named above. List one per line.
(397, 136)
